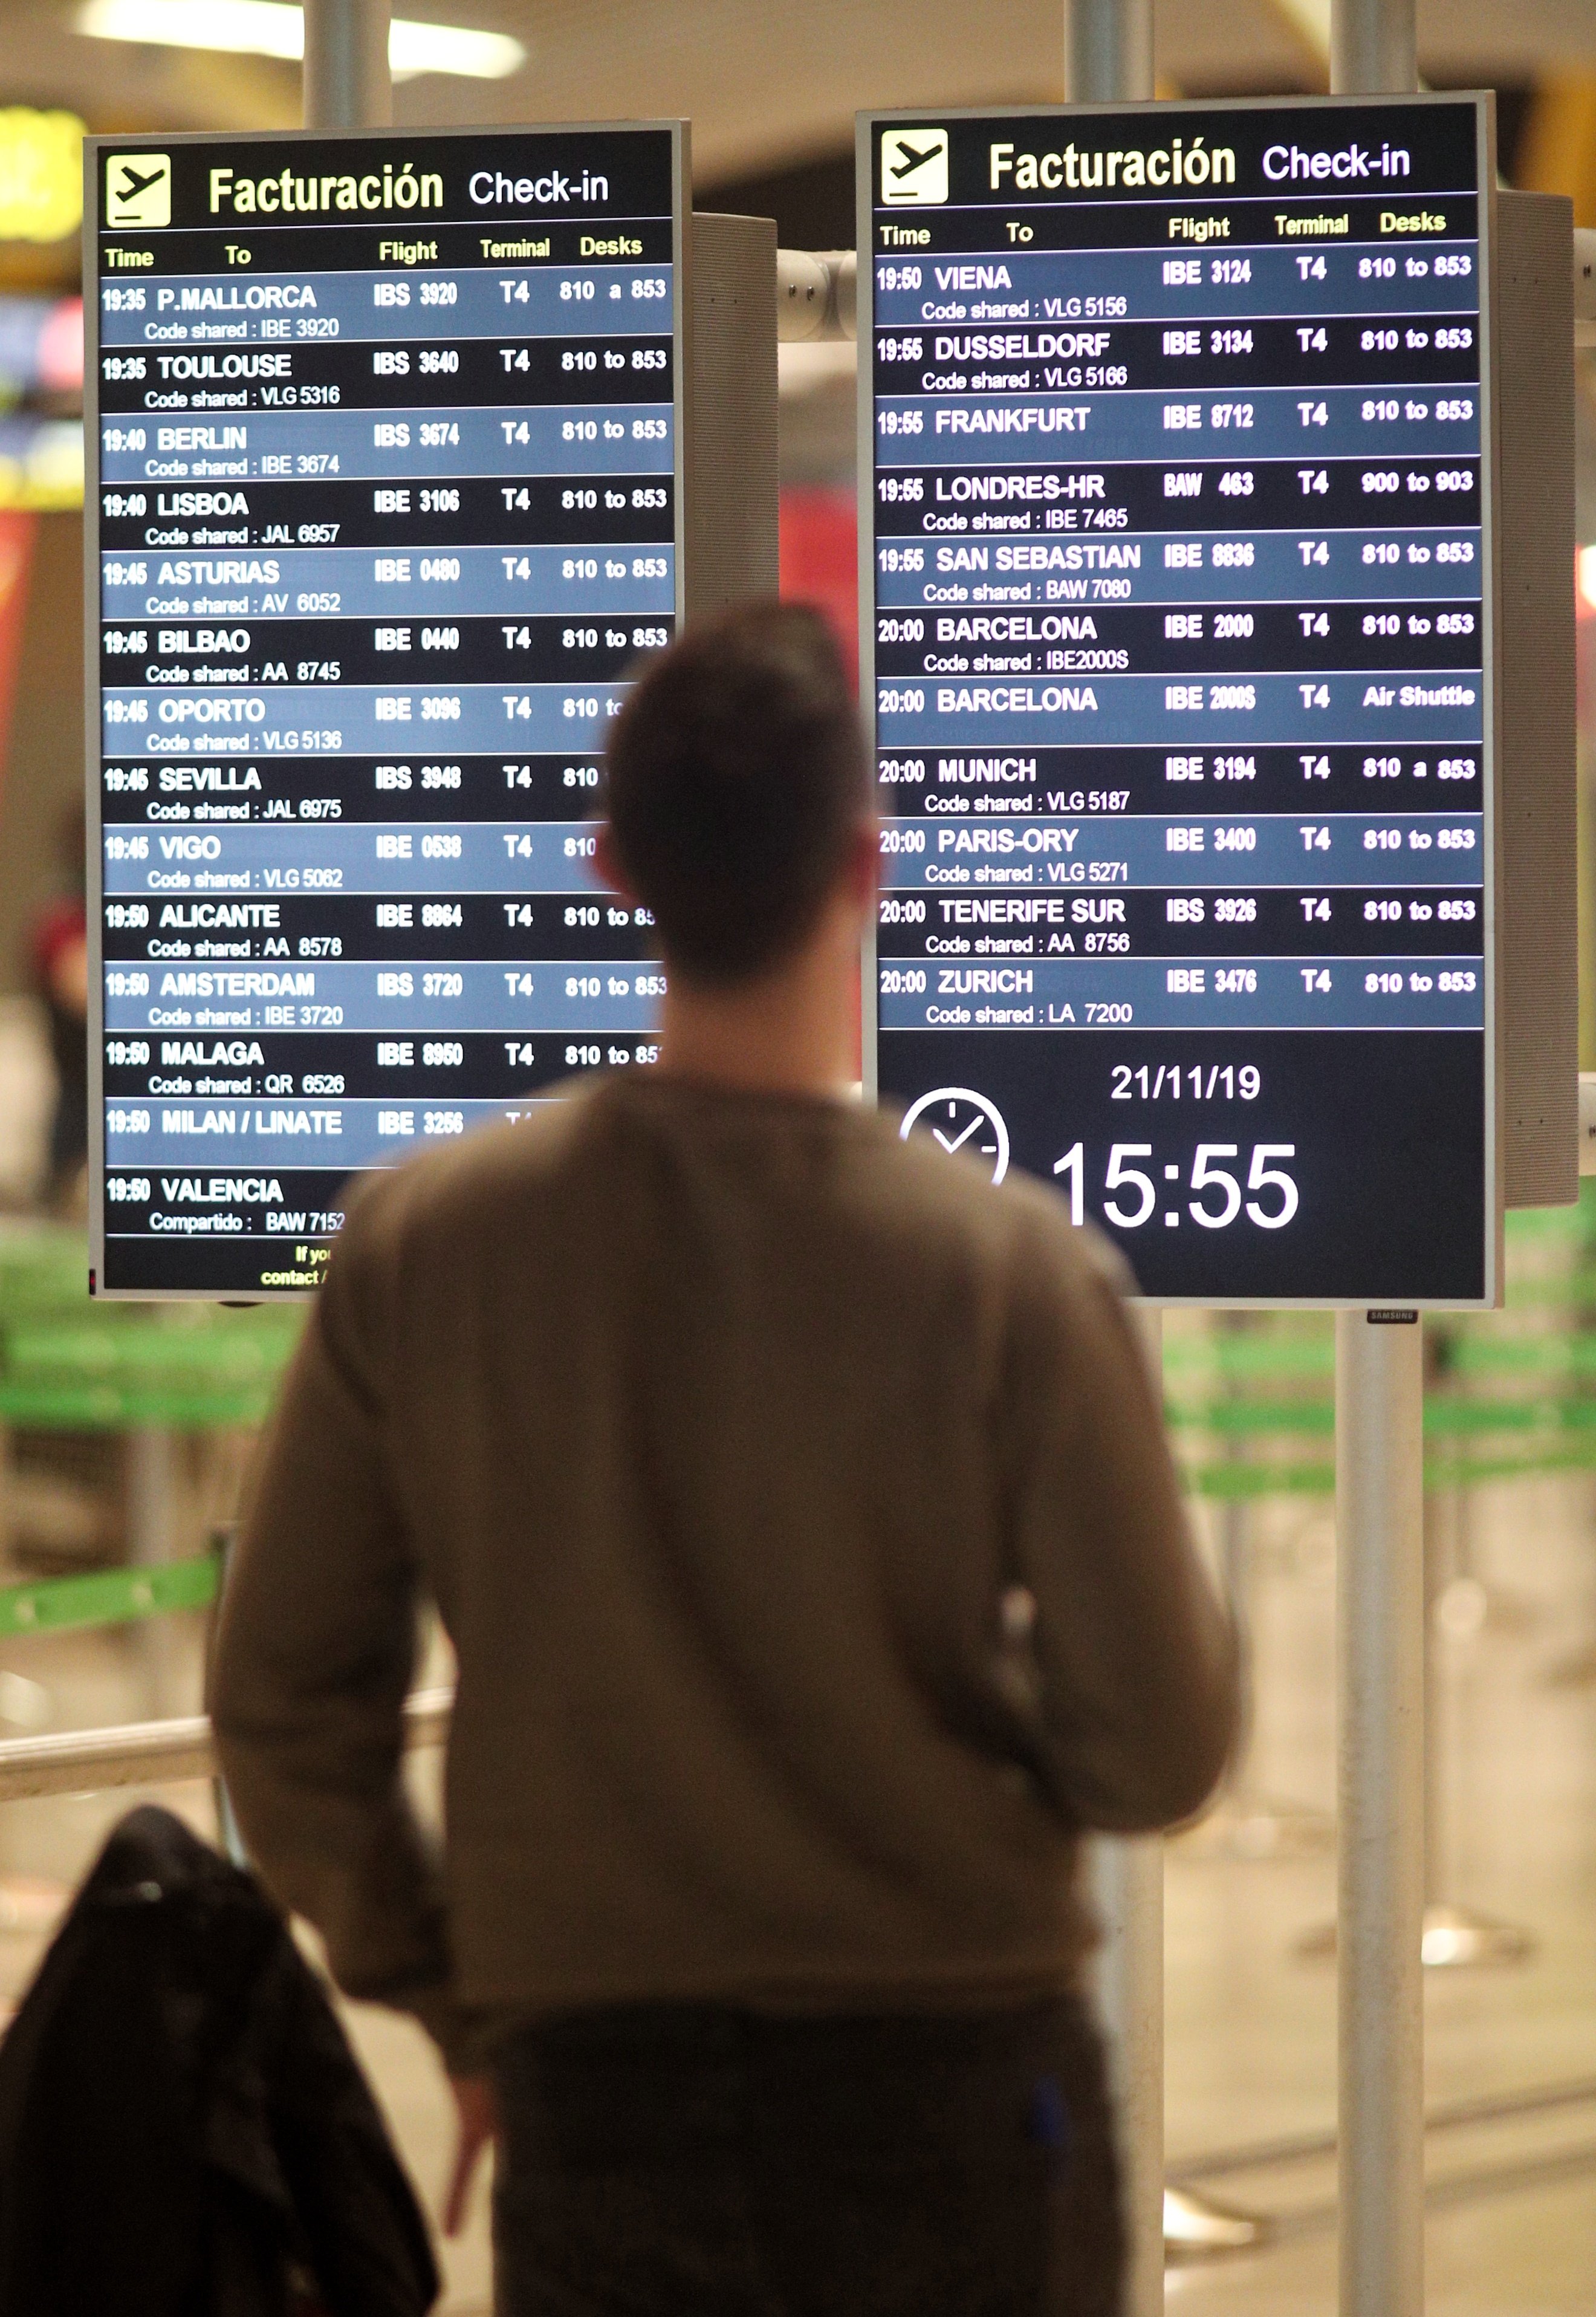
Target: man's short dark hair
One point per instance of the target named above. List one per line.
(736, 780)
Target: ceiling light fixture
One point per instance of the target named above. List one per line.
(271, 27)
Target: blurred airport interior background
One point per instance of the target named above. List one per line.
(125, 1432)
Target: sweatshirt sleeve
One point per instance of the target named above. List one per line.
(315, 1655)
(1135, 1657)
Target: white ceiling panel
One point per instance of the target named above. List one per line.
(761, 84)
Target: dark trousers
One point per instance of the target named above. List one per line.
(691, 2161)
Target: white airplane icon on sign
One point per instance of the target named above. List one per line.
(139, 189)
(913, 166)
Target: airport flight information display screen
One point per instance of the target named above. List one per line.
(384, 496)
(1179, 653)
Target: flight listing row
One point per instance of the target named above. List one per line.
(300, 719)
(983, 784)
(611, 577)
(968, 577)
(328, 514)
(556, 857)
(1383, 707)
(1338, 349)
(597, 996)
(1364, 637)
(1336, 273)
(1331, 848)
(1192, 485)
(604, 995)
(1373, 708)
(299, 789)
(232, 1228)
(1114, 782)
(1289, 993)
(957, 782)
(315, 1064)
(576, 438)
(311, 306)
(421, 645)
(1265, 422)
(538, 927)
(1105, 639)
(558, 438)
(1344, 349)
(269, 1133)
(309, 380)
(1218, 921)
(334, 587)
(622, 574)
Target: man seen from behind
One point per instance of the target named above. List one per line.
(798, 1507)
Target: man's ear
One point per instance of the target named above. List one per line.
(606, 863)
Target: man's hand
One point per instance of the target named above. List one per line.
(477, 2126)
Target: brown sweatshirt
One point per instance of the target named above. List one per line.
(728, 1433)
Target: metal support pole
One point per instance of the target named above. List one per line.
(1248, 1822)
(1380, 1391)
(1128, 1893)
(1379, 1526)
(1380, 1521)
(1109, 56)
(347, 83)
(1457, 1938)
(1437, 1573)
(1108, 51)
(1373, 48)
(154, 1485)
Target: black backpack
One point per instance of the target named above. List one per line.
(184, 2131)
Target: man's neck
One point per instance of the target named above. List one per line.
(793, 1031)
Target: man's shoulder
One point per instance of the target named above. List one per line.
(1019, 1222)
(458, 1188)
(568, 1152)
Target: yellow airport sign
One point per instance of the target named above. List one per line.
(41, 174)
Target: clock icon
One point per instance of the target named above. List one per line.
(960, 1119)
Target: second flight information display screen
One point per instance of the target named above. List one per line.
(1178, 644)
(388, 497)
